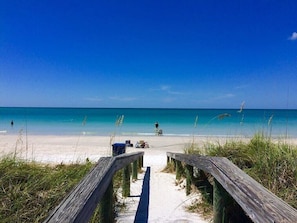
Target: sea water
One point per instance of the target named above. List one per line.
(140, 121)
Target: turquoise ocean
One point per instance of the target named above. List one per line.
(141, 121)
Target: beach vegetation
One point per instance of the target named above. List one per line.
(29, 190)
(169, 168)
(273, 163)
(118, 124)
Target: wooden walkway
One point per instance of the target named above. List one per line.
(259, 204)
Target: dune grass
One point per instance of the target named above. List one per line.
(272, 163)
(28, 190)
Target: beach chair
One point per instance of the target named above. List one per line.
(141, 144)
(159, 132)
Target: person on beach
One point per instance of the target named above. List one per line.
(158, 131)
(11, 123)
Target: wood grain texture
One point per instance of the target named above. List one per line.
(80, 203)
(258, 203)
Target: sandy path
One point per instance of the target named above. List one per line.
(167, 200)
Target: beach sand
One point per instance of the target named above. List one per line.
(68, 149)
(167, 200)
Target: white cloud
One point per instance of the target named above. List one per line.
(223, 96)
(293, 36)
(165, 88)
(168, 90)
(161, 88)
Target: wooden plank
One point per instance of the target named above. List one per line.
(81, 202)
(221, 200)
(126, 181)
(203, 162)
(106, 205)
(259, 203)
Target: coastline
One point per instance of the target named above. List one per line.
(138, 122)
(55, 149)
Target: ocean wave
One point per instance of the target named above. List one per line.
(89, 133)
(153, 134)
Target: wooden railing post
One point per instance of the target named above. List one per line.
(221, 201)
(189, 175)
(126, 181)
(134, 170)
(179, 169)
(174, 164)
(140, 162)
(106, 205)
(168, 160)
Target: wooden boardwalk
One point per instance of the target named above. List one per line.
(259, 204)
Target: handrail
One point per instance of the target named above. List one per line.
(80, 203)
(259, 204)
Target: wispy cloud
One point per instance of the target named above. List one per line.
(241, 86)
(167, 89)
(293, 36)
(224, 96)
(116, 98)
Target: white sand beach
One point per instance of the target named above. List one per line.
(167, 201)
(69, 149)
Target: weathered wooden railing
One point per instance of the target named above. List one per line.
(81, 202)
(256, 201)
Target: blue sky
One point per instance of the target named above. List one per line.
(160, 54)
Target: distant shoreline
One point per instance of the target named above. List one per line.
(173, 122)
(236, 109)
(68, 149)
(140, 134)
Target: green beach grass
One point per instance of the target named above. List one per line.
(273, 163)
(30, 190)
